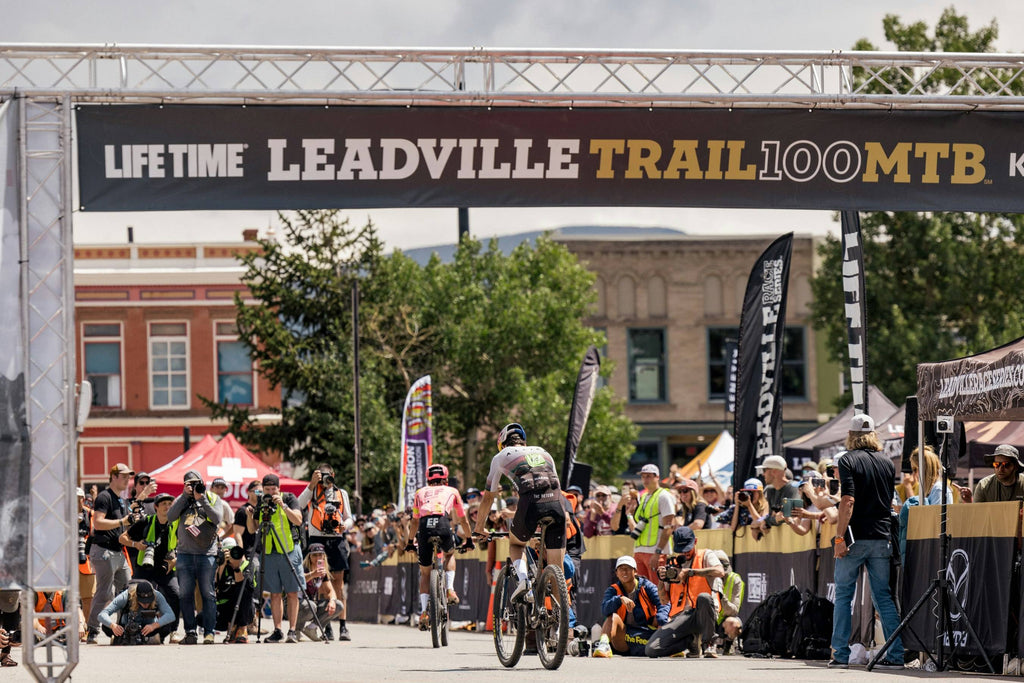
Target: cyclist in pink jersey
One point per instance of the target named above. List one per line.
(433, 506)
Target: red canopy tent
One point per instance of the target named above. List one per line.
(227, 459)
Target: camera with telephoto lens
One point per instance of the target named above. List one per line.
(327, 479)
(133, 627)
(331, 523)
(148, 554)
(641, 524)
(743, 496)
(265, 505)
(671, 572)
(579, 646)
(83, 556)
(196, 487)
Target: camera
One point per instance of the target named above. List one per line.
(133, 627)
(196, 487)
(641, 524)
(944, 424)
(331, 523)
(148, 554)
(671, 572)
(237, 552)
(83, 557)
(327, 479)
(579, 646)
(743, 496)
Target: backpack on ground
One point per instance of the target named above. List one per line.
(783, 621)
(811, 637)
(768, 629)
(755, 638)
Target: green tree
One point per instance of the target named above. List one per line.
(938, 285)
(500, 335)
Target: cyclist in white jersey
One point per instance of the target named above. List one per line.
(531, 470)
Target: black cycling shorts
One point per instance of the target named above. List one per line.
(336, 549)
(434, 525)
(531, 509)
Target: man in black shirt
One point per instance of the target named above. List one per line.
(243, 537)
(866, 480)
(110, 514)
(157, 529)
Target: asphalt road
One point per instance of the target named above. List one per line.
(401, 653)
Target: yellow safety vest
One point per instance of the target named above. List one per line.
(648, 510)
(172, 537)
(283, 526)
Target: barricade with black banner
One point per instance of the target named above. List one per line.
(780, 559)
(981, 550)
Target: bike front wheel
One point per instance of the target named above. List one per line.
(509, 619)
(436, 606)
(552, 605)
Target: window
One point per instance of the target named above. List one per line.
(234, 367)
(102, 356)
(646, 453)
(168, 365)
(646, 365)
(794, 362)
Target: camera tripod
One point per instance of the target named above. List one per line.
(247, 577)
(940, 585)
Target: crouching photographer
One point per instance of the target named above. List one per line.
(143, 616)
(687, 580)
(235, 606)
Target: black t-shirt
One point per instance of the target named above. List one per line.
(113, 507)
(241, 519)
(140, 531)
(869, 478)
(700, 511)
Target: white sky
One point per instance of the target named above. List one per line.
(640, 24)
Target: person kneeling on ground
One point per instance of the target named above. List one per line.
(632, 612)
(140, 610)
(729, 625)
(319, 591)
(233, 590)
(693, 603)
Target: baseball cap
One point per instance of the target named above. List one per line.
(315, 548)
(161, 497)
(80, 491)
(683, 540)
(144, 592)
(753, 485)
(625, 560)
(271, 480)
(862, 423)
(574, 489)
(603, 491)
(228, 543)
(142, 475)
(121, 468)
(772, 462)
(472, 493)
(192, 475)
(219, 481)
(255, 483)
(650, 469)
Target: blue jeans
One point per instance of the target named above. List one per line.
(193, 570)
(874, 554)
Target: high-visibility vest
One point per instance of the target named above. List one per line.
(649, 510)
(319, 505)
(55, 604)
(650, 610)
(172, 537)
(571, 528)
(283, 526)
(683, 596)
(728, 586)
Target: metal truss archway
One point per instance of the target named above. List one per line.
(48, 80)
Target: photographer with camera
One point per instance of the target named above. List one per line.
(749, 505)
(152, 541)
(632, 610)
(233, 590)
(330, 516)
(109, 519)
(651, 524)
(240, 530)
(143, 616)
(197, 512)
(279, 519)
(687, 581)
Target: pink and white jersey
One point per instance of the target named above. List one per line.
(508, 460)
(437, 500)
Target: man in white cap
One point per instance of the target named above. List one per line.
(777, 488)
(651, 523)
(632, 612)
(1007, 483)
(866, 478)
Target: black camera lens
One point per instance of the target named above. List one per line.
(237, 552)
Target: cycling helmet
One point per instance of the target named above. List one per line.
(435, 472)
(508, 430)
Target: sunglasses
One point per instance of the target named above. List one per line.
(1002, 465)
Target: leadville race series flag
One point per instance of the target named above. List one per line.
(417, 440)
(758, 422)
(855, 306)
(582, 400)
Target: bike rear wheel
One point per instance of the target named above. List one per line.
(552, 605)
(435, 606)
(509, 619)
(445, 608)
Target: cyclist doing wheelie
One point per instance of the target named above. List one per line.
(433, 506)
(531, 469)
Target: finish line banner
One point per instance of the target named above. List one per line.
(188, 157)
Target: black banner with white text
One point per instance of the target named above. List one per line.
(187, 157)
(855, 306)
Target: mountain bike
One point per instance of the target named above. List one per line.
(547, 614)
(437, 603)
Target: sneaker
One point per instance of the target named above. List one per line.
(190, 638)
(425, 620)
(833, 664)
(208, 639)
(310, 632)
(888, 665)
(291, 638)
(453, 597)
(90, 638)
(176, 637)
(602, 649)
(930, 666)
(275, 637)
(711, 652)
(343, 634)
(329, 632)
(242, 639)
